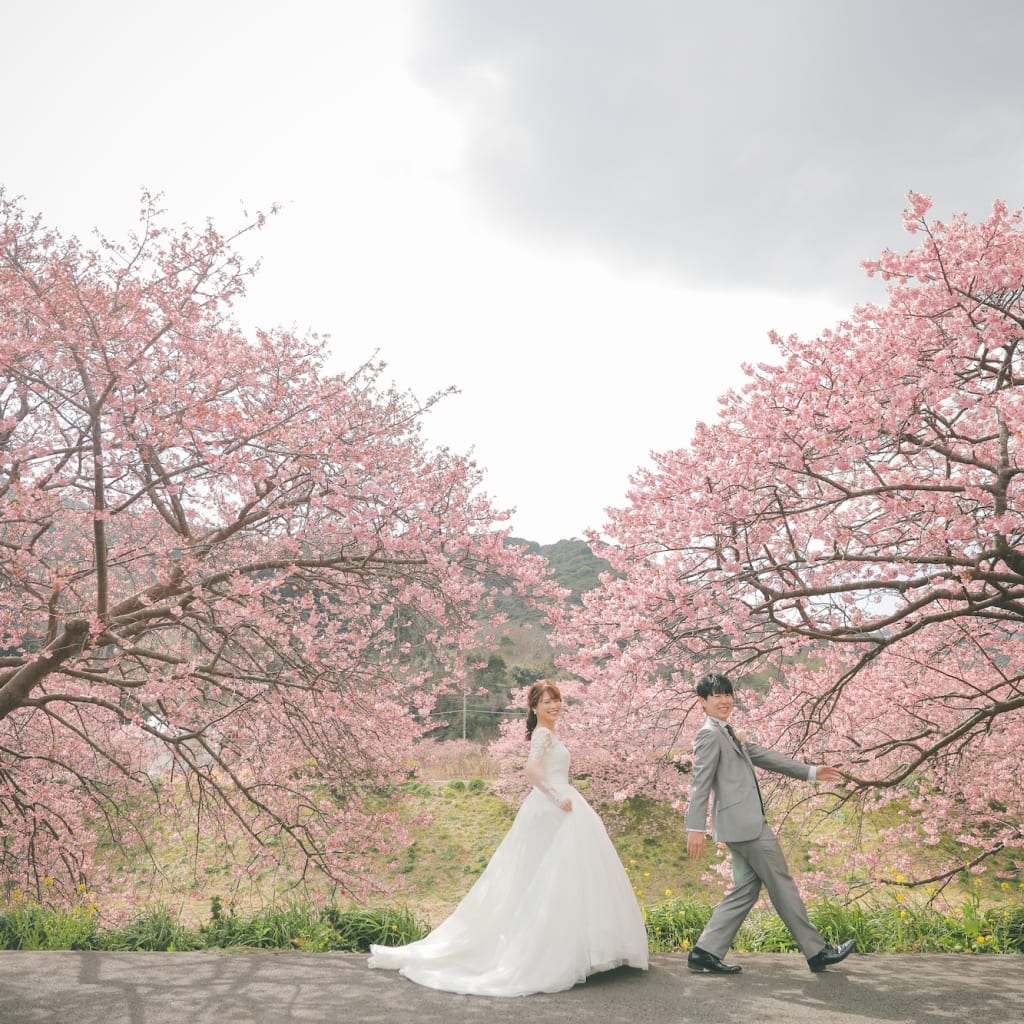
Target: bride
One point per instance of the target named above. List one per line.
(554, 904)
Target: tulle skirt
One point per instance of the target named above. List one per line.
(553, 906)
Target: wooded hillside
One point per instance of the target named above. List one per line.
(526, 653)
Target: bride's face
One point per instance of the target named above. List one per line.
(548, 708)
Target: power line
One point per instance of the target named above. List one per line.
(476, 711)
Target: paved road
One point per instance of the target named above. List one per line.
(281, 988)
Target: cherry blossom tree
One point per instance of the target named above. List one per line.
(847, 538)
(230, 581)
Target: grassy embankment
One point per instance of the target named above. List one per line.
(457, 823)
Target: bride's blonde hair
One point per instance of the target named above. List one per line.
(538, 690)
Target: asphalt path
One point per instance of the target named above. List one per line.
(280, 988)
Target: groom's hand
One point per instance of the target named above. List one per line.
(695, 845)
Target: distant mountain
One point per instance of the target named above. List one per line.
(573, 564)
(524, 651)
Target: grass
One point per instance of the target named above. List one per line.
(673, 925)
(457, 824)
(28, 925)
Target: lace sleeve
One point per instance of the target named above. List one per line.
(540, 744)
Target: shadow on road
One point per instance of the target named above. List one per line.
(278, 988)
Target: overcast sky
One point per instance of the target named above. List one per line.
(584, 214)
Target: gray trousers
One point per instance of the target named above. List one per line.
(755, 863)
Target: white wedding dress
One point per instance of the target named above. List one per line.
(553, 906)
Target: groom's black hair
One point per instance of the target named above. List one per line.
(713, 683)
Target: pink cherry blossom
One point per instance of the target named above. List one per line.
(846, 540)
(231, 582)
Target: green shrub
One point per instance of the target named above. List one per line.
(898, 928)
(25, 924)
(300, 927)
(764, 932)
(1008, 928)
(676, 924)
(154, 930)
(672, 925)
(358, 929)
(291, 927)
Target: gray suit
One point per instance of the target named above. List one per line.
(725, 770)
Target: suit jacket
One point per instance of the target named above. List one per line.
(722, 770)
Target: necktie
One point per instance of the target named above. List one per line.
(732, 735)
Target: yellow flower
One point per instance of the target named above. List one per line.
(899, 879)
(900, 897)
(647, 874)
(48, 882)
(668, 893)
(632, 863)
(1004, 885)
(903, 913)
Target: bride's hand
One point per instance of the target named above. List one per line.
(566, 804)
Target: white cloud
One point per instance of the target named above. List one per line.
(585, 216)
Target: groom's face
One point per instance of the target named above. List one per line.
(718, 705)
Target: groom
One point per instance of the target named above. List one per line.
(723, 767)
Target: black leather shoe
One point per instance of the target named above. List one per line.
(701, 960)
(831, 955)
